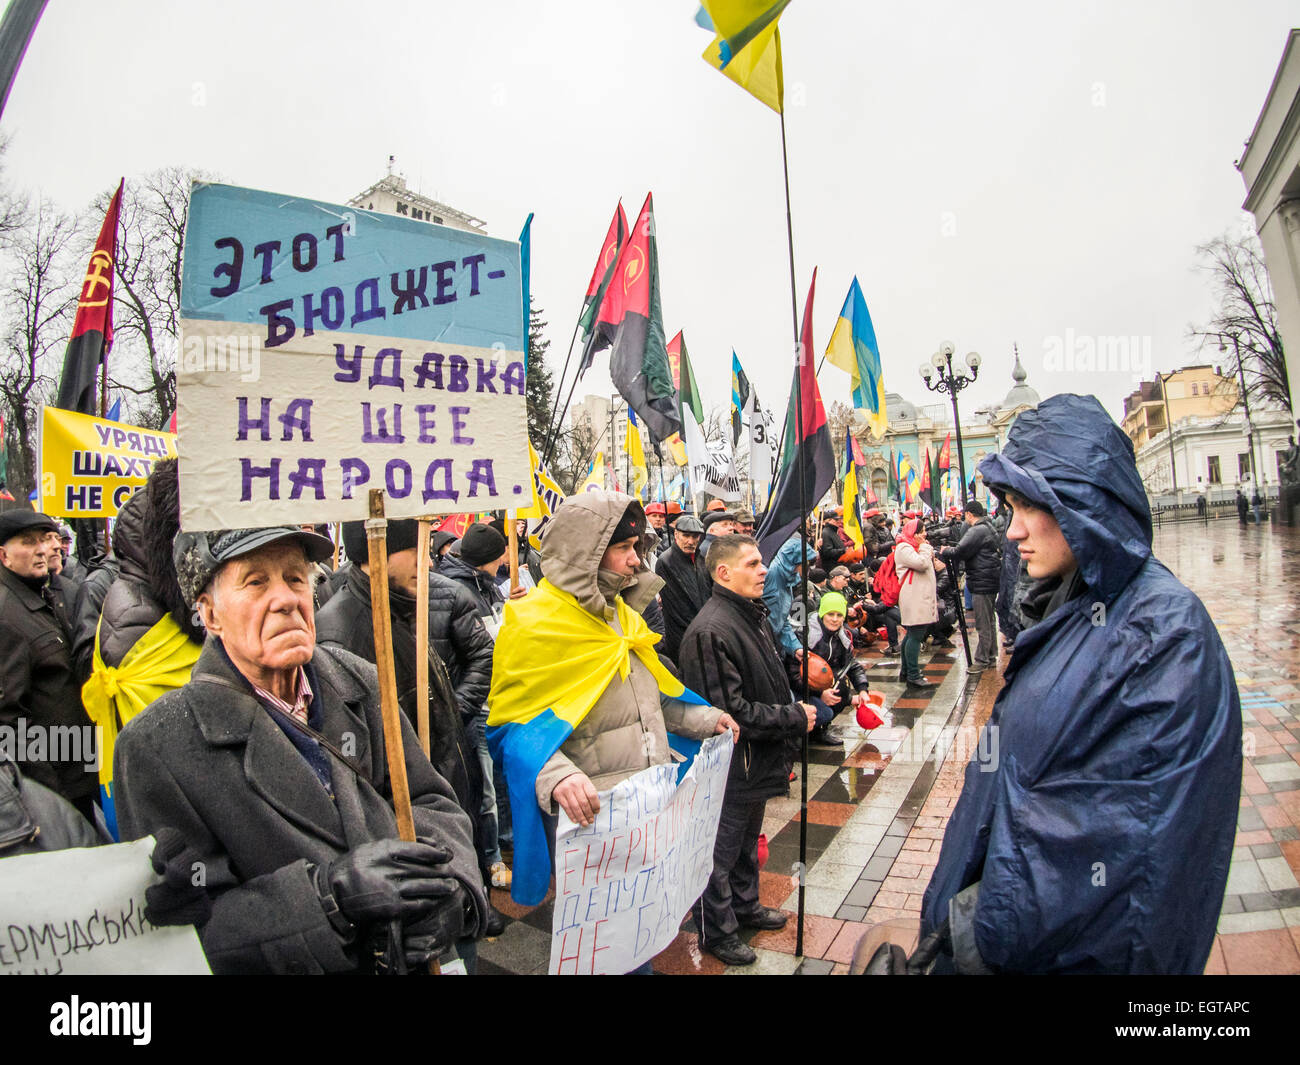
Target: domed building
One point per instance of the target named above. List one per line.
(912, 430)
(1021, 398)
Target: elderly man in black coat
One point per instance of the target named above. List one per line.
(729, 657)
(270, 766)
(686, 582)
(40, 693)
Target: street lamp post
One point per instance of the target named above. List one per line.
(1250, 426)
(1169, 432)
(940, 375)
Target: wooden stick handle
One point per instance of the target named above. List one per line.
(376, 543)
(512, 549)
(424, 532)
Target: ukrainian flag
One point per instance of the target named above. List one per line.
(747, 45)
(907, 478)
(852, 520)
(636, 455)
(553, 660)
(158, 662)
(854, 350)
(595, 475)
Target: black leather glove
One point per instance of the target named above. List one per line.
(428, 937)
(178, 899)
(891, 960)
(386, 880)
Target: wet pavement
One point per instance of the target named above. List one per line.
(1249, 580)
(879, 806)
(840, 843)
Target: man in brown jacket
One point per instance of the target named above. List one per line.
(559, 653)
(591, 552)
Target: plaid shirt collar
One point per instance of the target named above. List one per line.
(301, 701)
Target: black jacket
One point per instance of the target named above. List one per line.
(63, 594)
(879, 543)
(85, 615)
(729, 657)
(33, 818)
(210, 761)
(460, 669)
(456, 633)
(480, 585)
(687, 586)
(833, 545)
(837, 649)
(146, 586)
(981, 550)
(39, 685)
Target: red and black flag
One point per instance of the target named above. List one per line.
(92, 330)
(596, 288)
(631, 321)
(927, 481)
(811, 456)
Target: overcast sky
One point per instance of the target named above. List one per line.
(993, 173)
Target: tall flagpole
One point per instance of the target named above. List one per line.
(802, 459)
(559, 387)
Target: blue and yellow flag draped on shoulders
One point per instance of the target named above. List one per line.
(853, 348)
(159, 662)
(553, 661)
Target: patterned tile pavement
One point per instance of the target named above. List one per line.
(878, 807)
(839, 841)
(1249, 580)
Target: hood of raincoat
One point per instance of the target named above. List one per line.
(575, 540)
(1099, 813)
(779, 591)
(1070, 458)
(782, 571)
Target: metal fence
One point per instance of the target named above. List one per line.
(1219, 503)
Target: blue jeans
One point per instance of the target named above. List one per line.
(488, 807)
(505, 828)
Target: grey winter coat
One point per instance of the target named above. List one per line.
(208, 760)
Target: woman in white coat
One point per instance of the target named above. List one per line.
(918, 606)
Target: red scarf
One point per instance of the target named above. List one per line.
(907, 534)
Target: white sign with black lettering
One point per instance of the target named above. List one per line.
(624, 883)
(81, 911)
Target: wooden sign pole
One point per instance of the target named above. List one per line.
(376, 543)
(512, 549)
(424, 534)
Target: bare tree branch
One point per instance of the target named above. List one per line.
(1243, 332)
(38, 297)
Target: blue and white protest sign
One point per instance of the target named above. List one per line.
(624, 882)
(326, 350)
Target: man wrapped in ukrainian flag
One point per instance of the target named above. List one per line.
(580, 699)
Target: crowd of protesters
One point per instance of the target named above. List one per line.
(231, 679)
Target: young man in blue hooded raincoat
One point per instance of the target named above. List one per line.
(1099, 838)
